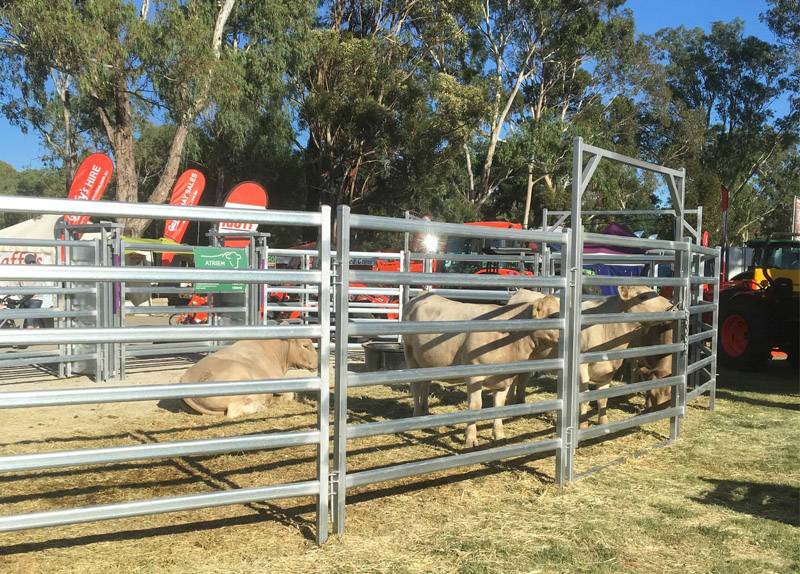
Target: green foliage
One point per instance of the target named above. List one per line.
(451, 108)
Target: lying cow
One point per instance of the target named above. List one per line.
(605, 337)
(442, 350)
(251, 360)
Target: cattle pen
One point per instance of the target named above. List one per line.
(330, 278)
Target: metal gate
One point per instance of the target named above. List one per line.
(316, 486)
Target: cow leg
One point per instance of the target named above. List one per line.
(602, 404)
(474, 387)
(421, 390)
(584, 386)
(499, 401)
(518, 392)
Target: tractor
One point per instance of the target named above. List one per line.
(760, 307)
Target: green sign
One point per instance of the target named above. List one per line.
(219, 258)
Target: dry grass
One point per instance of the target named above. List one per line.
(723, 499)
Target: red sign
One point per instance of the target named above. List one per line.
(89, 183)
(724, 191)
(246, 195)
(186, 192)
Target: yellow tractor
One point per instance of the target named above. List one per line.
(760, 307)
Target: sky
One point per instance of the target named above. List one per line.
(24, 150)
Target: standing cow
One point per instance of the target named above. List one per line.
(441, 350)
(606, 337)
(251, 360)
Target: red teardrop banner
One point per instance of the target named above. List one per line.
(246, 195)
(90, 183)
(187, 192)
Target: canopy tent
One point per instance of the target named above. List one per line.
(615, 269)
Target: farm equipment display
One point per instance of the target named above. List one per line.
(760, 307)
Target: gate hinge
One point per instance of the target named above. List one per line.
(333, 481)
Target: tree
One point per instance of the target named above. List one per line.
(719, 120)
(166, 60)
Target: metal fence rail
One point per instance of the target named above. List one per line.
(344, 431)
(104, 333)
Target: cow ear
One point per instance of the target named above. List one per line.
(624, 292)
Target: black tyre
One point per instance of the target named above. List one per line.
(744, 336)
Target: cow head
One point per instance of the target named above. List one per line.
(302, 354)
(641, 299)
(546, 307)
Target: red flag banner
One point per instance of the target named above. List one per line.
(187, 193)
(90, 183)
(724, 191)
(246, 195)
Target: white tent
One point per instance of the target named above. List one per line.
(41, 227)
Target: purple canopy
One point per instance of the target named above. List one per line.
(613, 229)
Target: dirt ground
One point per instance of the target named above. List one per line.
(724, 498)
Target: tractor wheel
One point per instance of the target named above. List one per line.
(744, 335)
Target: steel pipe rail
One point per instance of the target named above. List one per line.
(57, 459)
(147, 334)
(620, 258)
(154, 274)
(631, 161)
(166, 309)
(395, 472)
(472, 257)
(697, 365)
(402, 376)
(44, 359)
(611, 355)
(463, 279)
(22, 242)
(474, 326)
(704, 308)
(695, 393)
(379, 223)
(629, 389)
(648, 281)
(638, 420)
(429, 421)
(157, 211)
(609, 318)
(701, 249)
(704, 280)
(43, 314)
(156, 505)
(134, 393)
(703, 336)
(635, 242)
(46, 290)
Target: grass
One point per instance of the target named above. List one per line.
(724, 498)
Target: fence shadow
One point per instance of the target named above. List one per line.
(778, 502)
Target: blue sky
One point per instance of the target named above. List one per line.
(23, 150)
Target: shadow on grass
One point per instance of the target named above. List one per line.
(778, 502)
(733, 397)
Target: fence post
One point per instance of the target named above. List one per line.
(712, 392)
(566, 424)
(572, 265)
(342, 282)
(683, 269)
(323, 404)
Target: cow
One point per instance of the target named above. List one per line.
(605, 337)
(249, 360)
(657, 367)
(441, 350)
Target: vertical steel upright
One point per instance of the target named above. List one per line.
(341, 280)
(682, 296)
(573, 266)
(323, 404)
(712, 393)
(566, 425)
